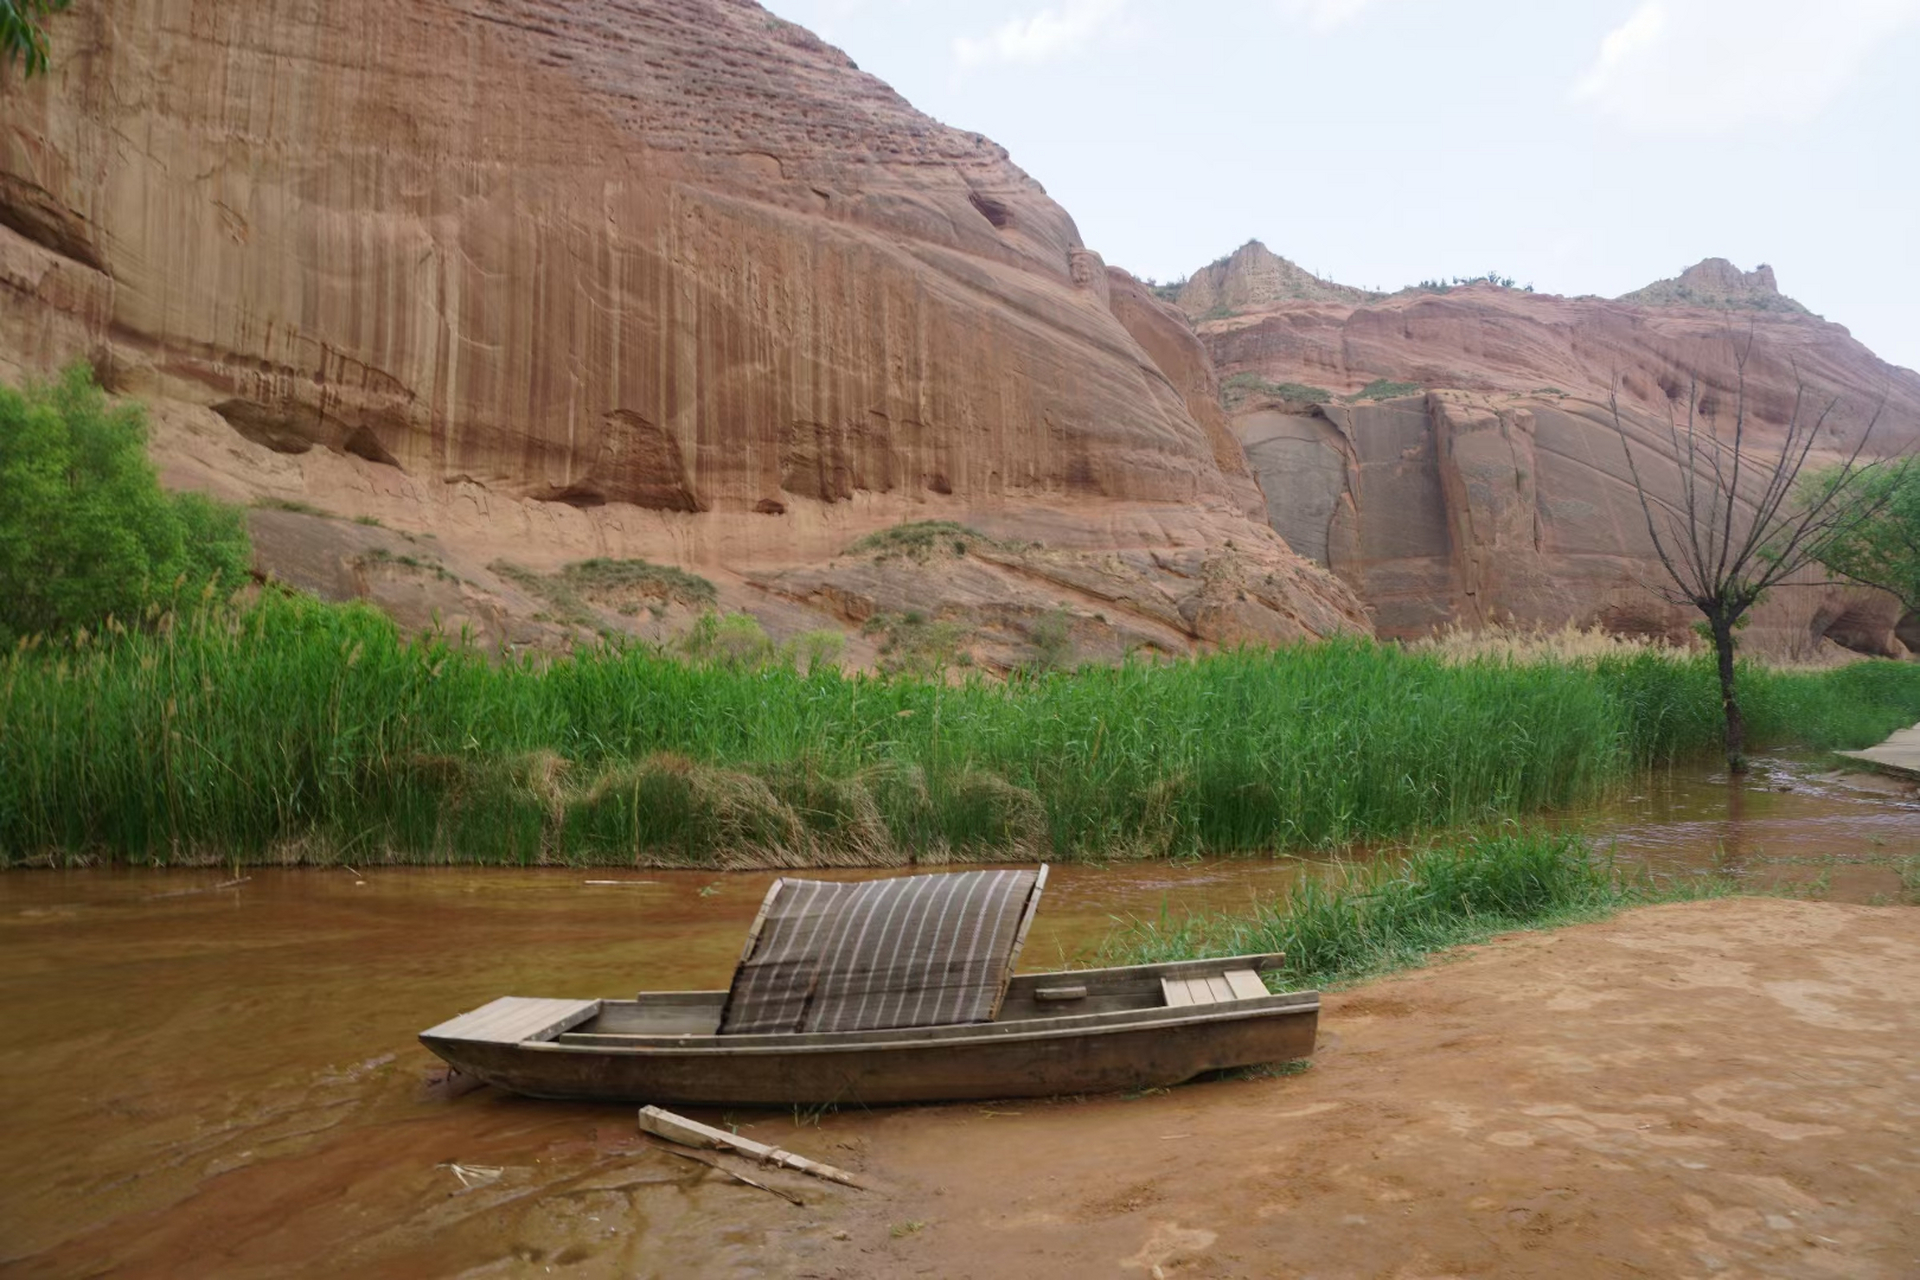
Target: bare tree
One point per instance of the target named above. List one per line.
(1743, 523)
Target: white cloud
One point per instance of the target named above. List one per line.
(1704, 66)
(1324, 15)
(1042, 36)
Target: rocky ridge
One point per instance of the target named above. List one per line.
(1254, 276)
(1717, 283)
(1465, 468)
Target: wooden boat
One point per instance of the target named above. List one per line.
(1082, 1031)
(1078, 1031)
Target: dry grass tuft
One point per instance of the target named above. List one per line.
(1567, 645)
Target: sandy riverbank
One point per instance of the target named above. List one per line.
(1727, 1087)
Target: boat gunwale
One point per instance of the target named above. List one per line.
(963, 1036)
(1062, 1026)
(1023, 983)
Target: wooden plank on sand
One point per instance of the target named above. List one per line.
(691, 1133)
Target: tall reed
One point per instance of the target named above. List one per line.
(295, 729)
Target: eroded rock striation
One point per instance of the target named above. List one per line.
(668, 278)
(1487, 483)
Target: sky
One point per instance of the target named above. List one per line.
(1582, 146)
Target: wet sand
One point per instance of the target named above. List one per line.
(1718, 1088)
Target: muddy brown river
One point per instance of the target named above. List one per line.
(224, 1080)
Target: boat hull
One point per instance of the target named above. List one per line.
(1120, 1052)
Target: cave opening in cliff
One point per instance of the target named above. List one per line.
(1860, 630)
(362, 443)
(992, 210)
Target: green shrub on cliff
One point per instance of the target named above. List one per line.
(86, 533)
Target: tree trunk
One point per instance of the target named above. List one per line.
(1729, 703)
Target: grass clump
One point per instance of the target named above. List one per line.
(1236, 389)
(1568, 644)
(564, 604)
(915, 645)
(1385, 389)
(736, 641)
(668, 810)
(1368, 918)
(621, 581)
(382, 556)
(623, 586)
(922, 540)
(294, 505)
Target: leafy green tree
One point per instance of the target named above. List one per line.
(86, 532)
(23, 35)
(1884, 551)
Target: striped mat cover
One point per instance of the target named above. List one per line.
(913, 951)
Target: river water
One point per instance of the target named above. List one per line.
(224, 1080)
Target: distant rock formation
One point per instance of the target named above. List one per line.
(1717, 283)
(661, 278)
(1466, 469)
(1254, 276)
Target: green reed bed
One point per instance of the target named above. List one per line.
(299, 730)
(1355, 920)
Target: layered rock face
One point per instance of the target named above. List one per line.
(667, 278)
(1498, 490)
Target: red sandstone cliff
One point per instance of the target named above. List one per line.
(1492, 485)
(667, 278)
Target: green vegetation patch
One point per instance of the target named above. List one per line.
(406, 560)
(733, 640)
(1239, 388)
(87, 536)
(1355, 920)
(922, 540)
(294, 505)
(290, 728)
(565, 605)
(622, 586)
(912, 644)
(671, 810)
(1386, 389)
(599, 578)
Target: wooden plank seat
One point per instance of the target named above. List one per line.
(516, 1019)
(1234, 984)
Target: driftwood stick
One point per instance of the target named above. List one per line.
(188, 893)
(713, 1162)
(691, 1133)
